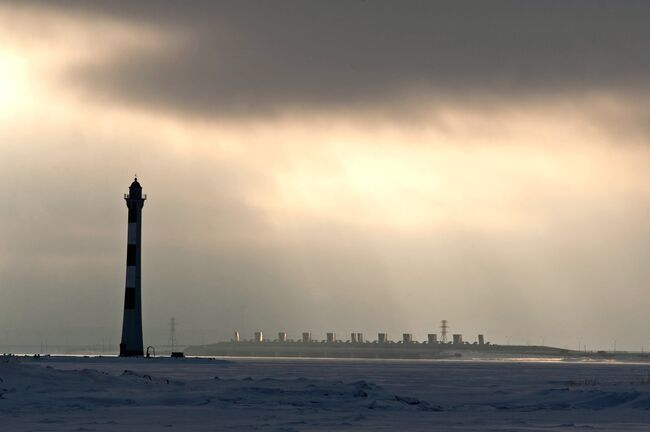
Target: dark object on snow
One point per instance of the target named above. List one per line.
(177, 354)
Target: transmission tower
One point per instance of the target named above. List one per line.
(443, 331)
(172, 332)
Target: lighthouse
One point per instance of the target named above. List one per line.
(131, 344)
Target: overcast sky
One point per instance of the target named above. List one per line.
(328, 166)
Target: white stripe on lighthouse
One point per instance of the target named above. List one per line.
(133, 233)
(130, 276)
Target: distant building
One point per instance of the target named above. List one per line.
(258, 337)
(331, 337)
(481, 340)
(407, 338)
(282, 337)
(353, 337)
(458, 339)
(432, 338)
(382, 337)
(444, 329)
(360, 337)
(236, 338)
(306, 337)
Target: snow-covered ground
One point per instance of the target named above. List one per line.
(112, 394)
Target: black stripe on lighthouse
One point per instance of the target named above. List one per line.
(133, 215)
(131, 254)
(129, 298)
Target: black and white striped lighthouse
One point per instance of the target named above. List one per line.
(131, 344)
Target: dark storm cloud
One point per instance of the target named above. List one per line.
(256, 57)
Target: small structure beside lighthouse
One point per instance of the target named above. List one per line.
(131, 344)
